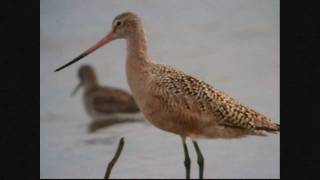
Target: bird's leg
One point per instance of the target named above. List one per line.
(187, 161)
(200, 159)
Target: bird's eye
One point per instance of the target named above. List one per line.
(118, 23)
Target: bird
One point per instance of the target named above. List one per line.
(177, 102)
(102, 101)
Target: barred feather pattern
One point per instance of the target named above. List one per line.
(225, 110)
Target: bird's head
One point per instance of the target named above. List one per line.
(87, 77)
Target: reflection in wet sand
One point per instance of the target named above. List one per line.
(104, 140)
(95, 125)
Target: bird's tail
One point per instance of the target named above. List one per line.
(273, 128)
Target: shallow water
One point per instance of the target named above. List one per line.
(233, 45)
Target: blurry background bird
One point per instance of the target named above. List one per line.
(104, 104)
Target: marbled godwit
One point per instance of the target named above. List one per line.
(101, 101)
(176, 102)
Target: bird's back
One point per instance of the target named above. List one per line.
(101, 101)
(183, 96)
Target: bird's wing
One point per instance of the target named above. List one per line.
(197, 96)
(113, 100)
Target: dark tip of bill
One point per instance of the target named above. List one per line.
(71, 62)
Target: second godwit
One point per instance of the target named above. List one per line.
(176, 102)
(102, 101)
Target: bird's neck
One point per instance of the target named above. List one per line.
(138, 62)
(91, 84)
(137, 50)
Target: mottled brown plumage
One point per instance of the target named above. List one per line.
(198, 96)
(101, 101)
